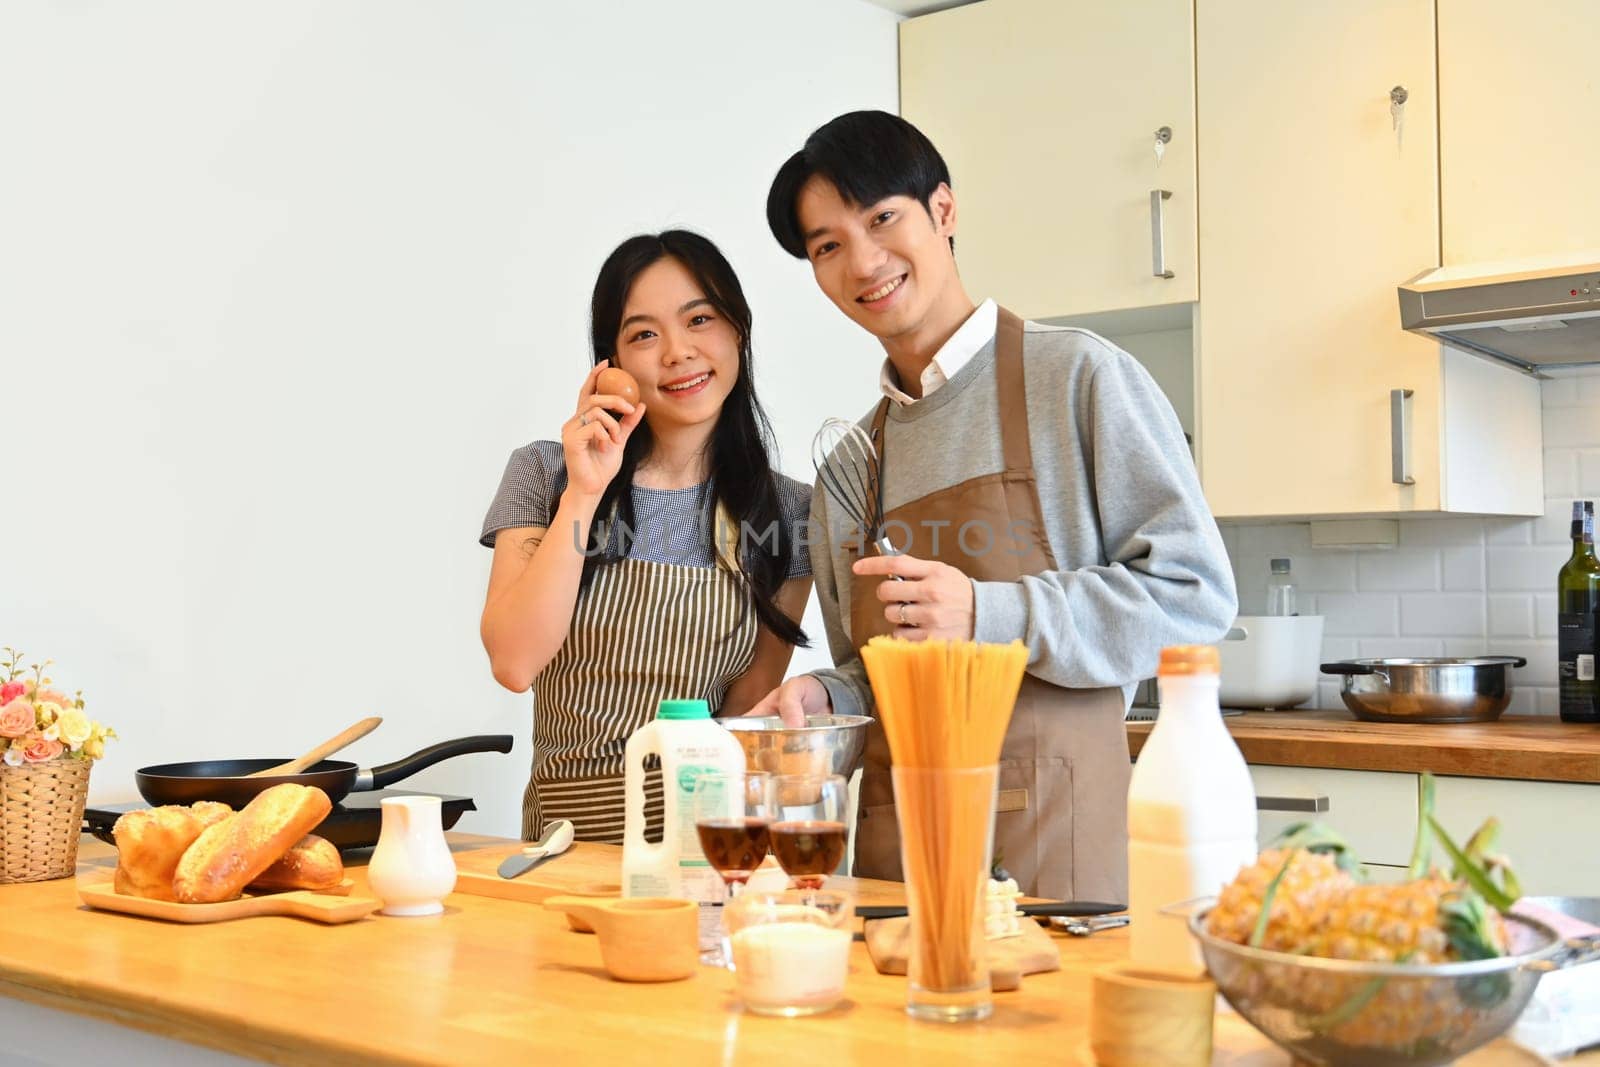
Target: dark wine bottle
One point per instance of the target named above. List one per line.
(1577, 603)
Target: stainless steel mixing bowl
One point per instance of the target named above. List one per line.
(826, 744)
(1469, 689)
(1379, 1014)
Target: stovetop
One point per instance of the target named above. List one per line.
(353, 823)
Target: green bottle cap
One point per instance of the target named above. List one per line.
(683, 709)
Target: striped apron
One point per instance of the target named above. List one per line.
(642, 632)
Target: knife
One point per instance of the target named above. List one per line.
(556, 840)
(1066, 907)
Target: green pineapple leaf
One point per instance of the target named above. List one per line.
(1467, 923)
(1321, 838)
(1422, 847)
(1472, 872)
(1260, 931)
(1483, 839)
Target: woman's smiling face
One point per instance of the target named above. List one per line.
(682, 350)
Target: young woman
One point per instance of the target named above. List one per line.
(620, 575)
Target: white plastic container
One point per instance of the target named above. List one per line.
(1191, 812)
(690, 743)
(1271, 661)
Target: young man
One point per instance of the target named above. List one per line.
(1041, 488)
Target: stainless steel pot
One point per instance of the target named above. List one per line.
(1473, 689)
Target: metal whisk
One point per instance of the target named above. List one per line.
(847, 465)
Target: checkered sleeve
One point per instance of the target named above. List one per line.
(528, 490)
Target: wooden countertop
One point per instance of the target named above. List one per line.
(1515, 746)
(497, 981)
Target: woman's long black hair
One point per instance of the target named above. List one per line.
(740, 459)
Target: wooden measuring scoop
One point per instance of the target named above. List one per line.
(322, 751)
(642, 939)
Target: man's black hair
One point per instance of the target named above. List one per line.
(867, 156)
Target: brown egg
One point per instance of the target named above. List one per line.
(614, 381)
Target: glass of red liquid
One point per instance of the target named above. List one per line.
(809, 831)
(732, 816)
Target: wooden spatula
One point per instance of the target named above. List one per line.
(324, 750)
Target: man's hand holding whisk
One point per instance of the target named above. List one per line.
(930, 599)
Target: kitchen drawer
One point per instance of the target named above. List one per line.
(1546, 829)
(1376, 811)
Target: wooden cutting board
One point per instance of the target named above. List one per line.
(585, 869)
(1031, 952)
(591, 870)
(327, 906)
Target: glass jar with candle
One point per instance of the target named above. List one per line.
(791, 949)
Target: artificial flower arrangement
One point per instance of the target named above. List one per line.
(39, 723)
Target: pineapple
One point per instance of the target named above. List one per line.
(1303, 899)
(1306, 882)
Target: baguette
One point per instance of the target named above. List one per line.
(312, 863)
(231, 854)
(150, 843)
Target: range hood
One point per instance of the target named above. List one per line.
(1535, 314)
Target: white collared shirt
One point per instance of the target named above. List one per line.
(956, 353)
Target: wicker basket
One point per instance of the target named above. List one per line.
(41, 818)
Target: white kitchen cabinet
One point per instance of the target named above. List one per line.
(1518, 97)
(1376, 811)
(1047, 114)
(1313, 208)
(1546, 829)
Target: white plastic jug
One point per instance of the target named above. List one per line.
(690, 743)
(412, 870)
(1191, 812)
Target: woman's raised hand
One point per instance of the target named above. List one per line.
(594, 437)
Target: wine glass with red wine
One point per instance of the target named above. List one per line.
(732, 814)
(809, 832)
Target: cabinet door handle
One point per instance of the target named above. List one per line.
(1310, 805)
(1400, 436)
(1158, 250)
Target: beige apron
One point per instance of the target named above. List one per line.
(1061, 822)
(641, 632)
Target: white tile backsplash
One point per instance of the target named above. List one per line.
(1455, 586)
(1462, 566)
(1443, 614)
(1400, 570)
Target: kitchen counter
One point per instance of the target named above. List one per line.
(1529, 747)
(496, 981)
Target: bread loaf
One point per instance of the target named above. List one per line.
(233, 853)
(311, 863)
(150, 843)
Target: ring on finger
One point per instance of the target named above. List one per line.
(903, 621)
(583, 420)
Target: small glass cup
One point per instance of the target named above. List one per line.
(809, 831)
(791, 949)
(732, 815)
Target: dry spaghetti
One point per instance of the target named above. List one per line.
(945, 707)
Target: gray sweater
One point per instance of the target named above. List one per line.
(1142, 563)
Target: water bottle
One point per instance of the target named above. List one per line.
(1280, 590)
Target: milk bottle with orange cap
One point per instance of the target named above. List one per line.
(1191, 811)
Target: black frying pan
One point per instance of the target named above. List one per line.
(224, 779)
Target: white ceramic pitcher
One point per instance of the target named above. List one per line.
(412, 870)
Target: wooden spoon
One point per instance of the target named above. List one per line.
(322, 751)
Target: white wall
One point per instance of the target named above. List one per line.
(281, 285)
(1453, 586)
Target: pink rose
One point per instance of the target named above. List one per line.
(53, 696)
(11, 691)
(41, 750)
(16, 718)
